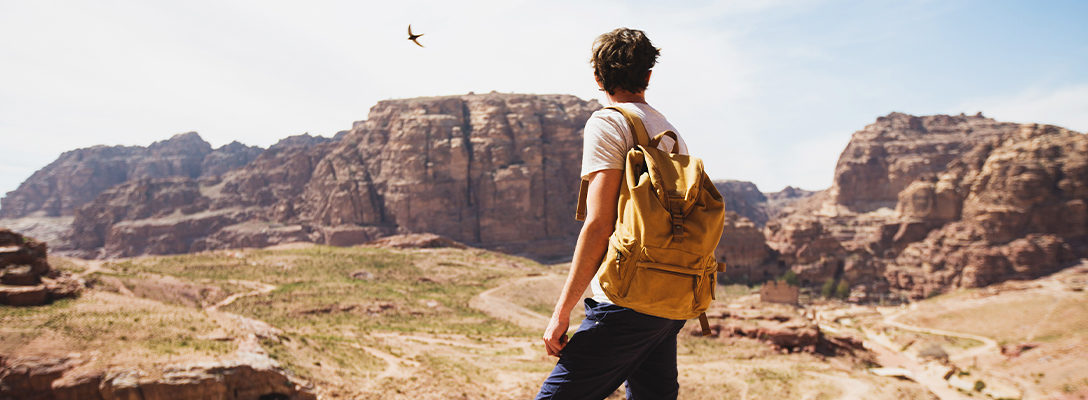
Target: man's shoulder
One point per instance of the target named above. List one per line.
(607, 119)
(607, 113)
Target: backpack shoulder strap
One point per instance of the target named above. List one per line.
(583, 191)
(638, 129)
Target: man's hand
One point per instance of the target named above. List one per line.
(555, 337)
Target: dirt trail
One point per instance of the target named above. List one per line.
(492, 304)
(89, 266)
(687, 367)
(988, 345)
(245, 331)
(852, 389)
(260, 288)
(887, 356)
(395, 367)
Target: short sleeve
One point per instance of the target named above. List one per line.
(604, 146)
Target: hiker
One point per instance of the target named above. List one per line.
(614, 344)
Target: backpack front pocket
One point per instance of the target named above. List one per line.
(663, 289)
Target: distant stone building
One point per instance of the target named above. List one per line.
(779, 292)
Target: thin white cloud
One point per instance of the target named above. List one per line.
(1064, 106)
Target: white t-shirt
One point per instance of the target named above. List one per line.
(607, 140)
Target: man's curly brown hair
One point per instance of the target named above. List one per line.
(622, 58)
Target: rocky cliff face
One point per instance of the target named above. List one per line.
(495, 170)
(745, 199)
(485, 169)
(924, 204)
(78, 176)
(886, 156)
(745, 253)
(227, 158)
(1016, 209)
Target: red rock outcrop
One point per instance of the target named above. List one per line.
(787, 197)
(78, 176)
(494, 170)
(744, 198)
(783, 328)
(1022, 214)
(26, 279)
(969, 194)
(227, 158)
(745, 252)
(480, 169)
(885, 157)
(63, 378)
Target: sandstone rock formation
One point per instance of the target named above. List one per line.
(782, 327)
(745, 253)
(886, 156)
(26, 278)
(1017, 210)
(227, 158)
(493, 170)
(745, 199)
(78, 176)
(780, 200)
(65, 378)
(923, 204)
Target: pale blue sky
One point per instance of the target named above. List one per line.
(765, 91)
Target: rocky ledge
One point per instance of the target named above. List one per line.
(69, 377)
(26, 279)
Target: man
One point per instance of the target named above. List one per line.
(614, 344)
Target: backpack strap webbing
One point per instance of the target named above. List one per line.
(642, 138)
(583, 191)
(705, 324)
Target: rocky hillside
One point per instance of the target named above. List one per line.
(886, 156)
(26, 278)
(493, 170)
(78, 176)
(924, 204)
(745, 199)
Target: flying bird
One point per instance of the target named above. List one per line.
(413, 37)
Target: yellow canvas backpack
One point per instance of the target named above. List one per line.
(660, 259)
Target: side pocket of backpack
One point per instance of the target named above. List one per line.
(706, 286)
(617, 264)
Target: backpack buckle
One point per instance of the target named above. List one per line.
(676, 210)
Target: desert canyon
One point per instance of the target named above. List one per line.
(417, 255)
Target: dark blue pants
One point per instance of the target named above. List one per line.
(616, 344)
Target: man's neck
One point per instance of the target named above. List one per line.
(623, 96)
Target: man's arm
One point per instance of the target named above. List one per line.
(604, 190)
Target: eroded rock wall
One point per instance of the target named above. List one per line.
(925, 204)
(78, 176)
(493, 170)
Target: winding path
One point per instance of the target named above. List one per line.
(988, 345)
(490, 303)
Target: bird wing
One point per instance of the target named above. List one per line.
(410, 30)
(417, 43)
